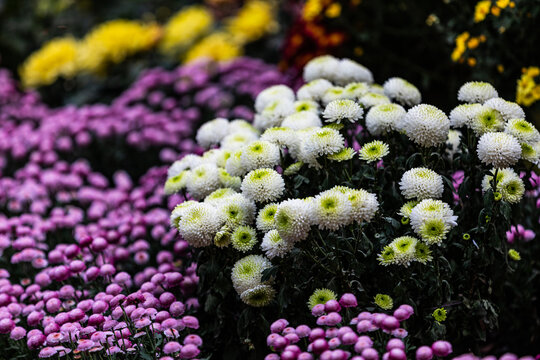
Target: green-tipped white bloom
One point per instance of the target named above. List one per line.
(273, 245)
(421, 183)
(223, 236)
(522, 130)
(226, 180)
(406, 208)
(179, 211)
(263, 185)
(241, 125)
(306, 105)
(343, 110)
(486, 120)
(426, 125)
(265, 219)
(321, 67)
(212, 132)
(453, 141)
(188, 162)
(313, 90)
(203, 180)
(321, 142)
(531, 152)
(233, 166)
(217, 197)
(247, 272)
(335, 93)
(356, 90)
(281, 136)
(237, 140)
(244, 238)
(364, 205)
(321, 296)
(464, 114)
(376, 89)
(432, 220)
(217, 157)
(199, 224)
(498, 149)
(350, 71)
(259, 154)
(293, 220)
(509, 184)
(476, 92)
(343, 155)
(373, 151)
(293, 168)
(402, 91)
(404, 249)
(509, 110)
(259, 296)
(271, 94)
(384, 118)
(373, 99)
(422, 253)
(176, 183)
(237, 210)
(302, 120)
(502, 174)
(433, 230)
(273, 114)
(332, 209)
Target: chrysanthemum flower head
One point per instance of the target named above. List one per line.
(373, 99)
(179, 211)
(522, 130)
(233, 166)
(236, 140)
(404, 249)
(321, 296)
(199, 224)
(216, 197)
(422, 253)
(387, 256)
(356, 90)
(247, 272)
(225, 179)
(243, 238)
(512, 189)
(321, 142)
(263, 185)
(498, 149)
(373, 151)
(273, 245)
(439, 314)
(335, 93)
(259, 296)
(273, 114)
(293, 220)
(237, 210)
(223, 236)
(321, 67)
(273, 93)
(350, 71)
(476, 92)
(188, 162)
(176, 183)
(502, 175)
(203, 180)
(302, 120)
(384, 118)
(313, 90)
(332, 209)
(259, 154)
(265, 219)
(306, 105)
(433, 230)
(421, 183)
(509, 110)
(343, 155)
(212, 132)
(281, 136)
(432, 220)
(364, 204)
(342, 110)
(486, 120)
(402, 91)
(384, 301)
(406, 209)
(464, 114)
(531, 152)
(426, 125)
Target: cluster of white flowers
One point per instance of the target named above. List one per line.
(508, 184)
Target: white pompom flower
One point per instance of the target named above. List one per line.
(322, 141)
(356, 90)
(259, 296)
(247, 272)
(273, 114)
(498, 149)
(335, 93)
(486, 120)
(373, 99)
(321, 67)
(342, 110)
(302, 120)
(212, 132)
(271, 94)
(237, 140)
(373, 151)
(313, 90)
(402, 91)
(421, 183)
(259, 154)
(237, 210)
(203, 180)
(282, 136)
(188, 162)
(274, 246)
(522, 130)
(306, 105)
(509, 110)
(476, 92)
(263, 185)
(432, 220)
(199, 224)
(293, 220)
(332, 209)
(265, 219)
(426, 125)
(384, 118)
(350, 71)
(463, 114)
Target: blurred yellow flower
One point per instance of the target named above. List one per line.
(56, 58)
(185, 27)
(217, 46)
(253, 21)
(481, 10)
(503, 3)
(496, 11)
(115, 40)
(460, 48)
(312, 9)
(333, 10)
(528, 91)
(473, 43)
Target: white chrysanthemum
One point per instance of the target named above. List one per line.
(373, 151)
(237, 210)
(306, 105)
(432, 220)
(265, 219)
(273, 245)
(531, 152)
(341, 110)
(263, 185)
(486, 120)
(273, 114)
(502, 174)
(302, 120)
(453, 141)
(199, 224)
(522, 130)
(356, 90)
(247, 272)
(271, 94)
(512, 189)
(179, 211)
(241, 125)
(384, 118)
(332, 209)
(463, 114)
(402, 91)
(376, 89)
(321, 67)
(259, 154)
(237, 140)
(373, 99)
(350, 71)
(234, 164)
(498, 149)
(335, 93)
(188, 162)
(228, 181)
(364, 205)
(476, 92)
(176, 183)
(243, 238)
(202, 180)
(426, 125)
(293, 220)
(404, 250)
(509, 110)
(323, 141)
(406, 208)
(212, 132)
(217, 197)
(282, 136)
(421, 183)
(313, 90)
(259, 296)
(217, 157)
(343, 155)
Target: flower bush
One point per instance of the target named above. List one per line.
(362, 188)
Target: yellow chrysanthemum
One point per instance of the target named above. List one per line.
(113, 41)
(56, 58)
(185, 27)
(528, 91)
(252, 22)
(481, 10)
(461, 46)
(218, 46)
